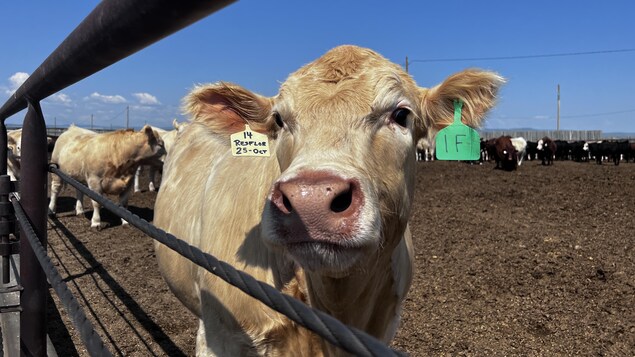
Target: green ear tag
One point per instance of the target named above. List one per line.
(458, 141)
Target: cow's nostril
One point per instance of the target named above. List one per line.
(342, 201)
(287, 203)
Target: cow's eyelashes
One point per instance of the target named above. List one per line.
(400, 116)
(278, 119)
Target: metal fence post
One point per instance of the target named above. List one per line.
(33, 189)
(4, 238)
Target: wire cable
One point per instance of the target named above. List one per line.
(523, 56)
(350, 339)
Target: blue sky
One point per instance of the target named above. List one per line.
(258, 43)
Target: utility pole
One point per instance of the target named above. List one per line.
(55, 122)
(91, 122)
(406, 64)
(558, 122)
(127, 116)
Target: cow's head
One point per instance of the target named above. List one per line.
(151, 144)
(344, 130)
(540, 145)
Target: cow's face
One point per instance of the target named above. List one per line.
(540, 144)
(348, 125)
(343, 130)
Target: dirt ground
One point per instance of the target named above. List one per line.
(535, 262)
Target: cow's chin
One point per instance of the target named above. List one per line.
(328, 259)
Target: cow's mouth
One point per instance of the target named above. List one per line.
(326, 246)
(319, 256)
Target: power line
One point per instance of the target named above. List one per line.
(598, 114)
(548, 117)
(523, 56)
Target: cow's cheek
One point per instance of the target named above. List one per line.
(393, 178)
(284, 151)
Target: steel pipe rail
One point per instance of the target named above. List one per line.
(114, 30)
(91, 339)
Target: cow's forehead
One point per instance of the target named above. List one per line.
(346, 78)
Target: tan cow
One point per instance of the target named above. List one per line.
(106, 162)
(14, 144)
(156, 165)
(325, 217)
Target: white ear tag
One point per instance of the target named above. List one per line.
(249, 143)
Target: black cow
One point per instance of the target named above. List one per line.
(547, 150)
(580, 151)
(531, 153)
(614, 150)
(563, 150)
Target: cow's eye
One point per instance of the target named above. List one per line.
(278, 119)
(400, 116)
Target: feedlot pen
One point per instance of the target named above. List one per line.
(535, 262)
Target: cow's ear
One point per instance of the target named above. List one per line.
(151, 135)
(226, 108)
(148, 131)
(476, 88)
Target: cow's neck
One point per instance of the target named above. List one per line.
(130, 157)
(353, 299)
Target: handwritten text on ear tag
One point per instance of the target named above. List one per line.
(249, 143)
(458, 141)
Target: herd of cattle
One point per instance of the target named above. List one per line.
(509, 153)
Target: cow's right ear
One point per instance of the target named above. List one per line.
(226, 108)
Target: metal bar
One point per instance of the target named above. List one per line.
(114, 30)
(93, 342)
(33, 199)
(5, 218)
(4, 197)
(4, 142)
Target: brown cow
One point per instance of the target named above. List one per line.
(325, 217)
(505, 153)
(106, 162)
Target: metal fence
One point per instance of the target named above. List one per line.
(535, 135)
(114, 30)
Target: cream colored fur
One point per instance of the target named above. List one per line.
(106, 162)
(156, 165)
(338, 117)
(14, 144)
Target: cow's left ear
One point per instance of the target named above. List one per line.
(152, 135)
(476, 88)
(148, 131)
(226, 108)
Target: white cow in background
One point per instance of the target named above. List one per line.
(520, 144)
(156, 165)
(425, 149)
